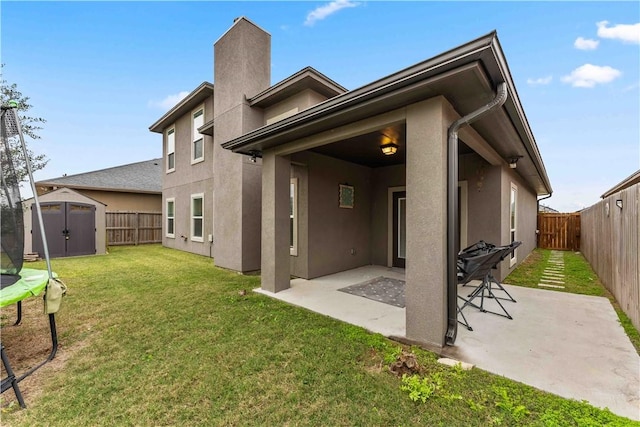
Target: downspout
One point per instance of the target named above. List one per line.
(452, 209)
(537, 218)
(541, 199)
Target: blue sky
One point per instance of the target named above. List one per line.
(101, 73)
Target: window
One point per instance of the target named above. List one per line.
(171, 150)
(513, 222)
(197, 217)
(171, 203)
(197, 144)
(293, 216)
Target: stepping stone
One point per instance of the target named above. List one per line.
(550, 286)
(554, 281)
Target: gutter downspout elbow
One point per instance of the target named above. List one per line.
(452, 208)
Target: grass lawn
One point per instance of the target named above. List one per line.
(152, 336)
(579, 278)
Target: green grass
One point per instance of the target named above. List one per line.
(154, 336)
(579, 278)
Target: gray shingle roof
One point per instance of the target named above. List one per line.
(140, 177)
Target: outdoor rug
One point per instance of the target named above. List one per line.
(381, 289)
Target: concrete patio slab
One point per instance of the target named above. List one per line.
(322, 296)
(570, 345)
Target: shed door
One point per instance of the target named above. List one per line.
(54, 219)
(81, 229)
(69, 227)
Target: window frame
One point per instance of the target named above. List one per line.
(193, 237)
(171, 200)
(195, 135)
(171, 131)
(293, 216)
(513, 221)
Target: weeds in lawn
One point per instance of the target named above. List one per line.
(167, 339)
(507, 406)
(421, 388)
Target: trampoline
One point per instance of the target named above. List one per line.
(19, 283)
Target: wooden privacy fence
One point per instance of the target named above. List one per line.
(610, 236)
(560, 231)
(133, 228)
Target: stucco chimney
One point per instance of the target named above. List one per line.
(242, 69)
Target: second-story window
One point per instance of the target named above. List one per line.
(197, 140)
(171, 150)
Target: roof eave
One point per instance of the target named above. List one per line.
(376, 88)
(197, 96)
(632, 179)
(485, 49)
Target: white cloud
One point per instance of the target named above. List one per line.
(321, 12)
(589, 75)
(629, 33)
(169, 101)
(585, 44)
(540, 81)
(631, 87)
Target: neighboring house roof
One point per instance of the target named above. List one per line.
(61, 192)
(546, 209)
(140, 177)
(466, 76)
(188, 103)
(626, 183)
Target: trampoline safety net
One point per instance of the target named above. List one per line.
(11, 222)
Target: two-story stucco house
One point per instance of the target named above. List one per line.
(304, 178)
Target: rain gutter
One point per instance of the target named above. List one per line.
(452, 209)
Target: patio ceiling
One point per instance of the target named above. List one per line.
(365, 149)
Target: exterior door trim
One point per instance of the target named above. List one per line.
(390, 192)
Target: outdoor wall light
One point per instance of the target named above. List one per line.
(619, 203)
(254, 155)
(389, 148)
(513, 161)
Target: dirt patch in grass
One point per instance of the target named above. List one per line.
(28, 345)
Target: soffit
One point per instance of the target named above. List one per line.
(191, 101)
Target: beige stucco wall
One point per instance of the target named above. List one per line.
(488, 207)
(292, 105)
(526, 217)
(66, 195)
(186, 172)
(484, 199)
(337, 239)
(187, 179)
(182, 220)
(242, 69)
(126, 202)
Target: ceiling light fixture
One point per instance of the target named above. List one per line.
(513, 161)
(389, 148)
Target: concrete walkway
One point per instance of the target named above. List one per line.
(570, 345)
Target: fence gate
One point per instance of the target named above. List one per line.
(560, 231)
(70, 229)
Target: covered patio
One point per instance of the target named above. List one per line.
(333, 199)
(570, 345)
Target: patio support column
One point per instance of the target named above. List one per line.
(426, 169)
(275, 222)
